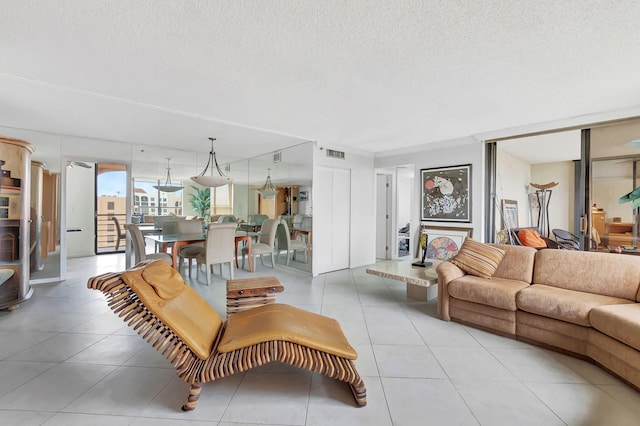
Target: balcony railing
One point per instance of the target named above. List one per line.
(107, 234)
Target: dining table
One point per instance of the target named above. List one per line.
(177, 241)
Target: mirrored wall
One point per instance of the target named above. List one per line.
(290, 173)
(68, 168)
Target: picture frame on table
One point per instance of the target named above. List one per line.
(442, 243)
(509, 214)
(303, 196)
(446, 194)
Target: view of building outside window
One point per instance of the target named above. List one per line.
(111, 203)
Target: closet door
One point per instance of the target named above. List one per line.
(331, 219)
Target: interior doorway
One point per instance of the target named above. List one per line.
(394, 204)
(383, 215)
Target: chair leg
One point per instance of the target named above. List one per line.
(273, 261)
(197, 271)
(231, 269)
(192, 399)
(190, 264)
(208, 268)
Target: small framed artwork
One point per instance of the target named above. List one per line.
(303, 196)
(442, 243)
(446, 194)
(509, 214)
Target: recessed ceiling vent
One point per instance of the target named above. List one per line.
(331, 153)
(227, 168)
(277, 157)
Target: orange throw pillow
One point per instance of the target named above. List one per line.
(531, 238)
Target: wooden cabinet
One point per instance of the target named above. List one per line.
(287, 201)
(15, 185)
(620, 234)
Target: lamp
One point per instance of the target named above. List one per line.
(268, 191)
(211, 180)
(168, 186)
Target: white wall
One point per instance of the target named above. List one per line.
(605, 193)
(562, 199)
(464, 151)
(513, 176)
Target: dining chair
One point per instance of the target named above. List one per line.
(257, 219)
(139, 247)
(120, 234)
(219, 248)
(265, 244)
(189, 251)
(227, 218)
(284, 242)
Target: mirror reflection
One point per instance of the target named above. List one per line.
(278, 186)
(247, 200)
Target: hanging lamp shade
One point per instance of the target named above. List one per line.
(168, 186)
(212, 179)
(267, 190)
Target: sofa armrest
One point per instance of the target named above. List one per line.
(447, 272)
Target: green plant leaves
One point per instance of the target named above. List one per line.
(200, 201)
(631, 196)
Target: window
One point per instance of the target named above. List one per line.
(222, 199)
(111, 227)
(110, 205)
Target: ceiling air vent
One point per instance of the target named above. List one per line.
(227, 168)
(277, 157)
(331, 153)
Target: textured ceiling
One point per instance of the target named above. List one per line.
(260, 75)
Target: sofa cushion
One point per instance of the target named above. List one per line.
(531, 238)
(598, 273)
(478, 259)
(621, 322)
(498, 292)
(562, 304)
(517, 263)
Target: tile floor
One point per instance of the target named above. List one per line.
(65, 359)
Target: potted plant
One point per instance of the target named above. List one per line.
(201, 201)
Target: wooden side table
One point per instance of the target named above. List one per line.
(247, 293)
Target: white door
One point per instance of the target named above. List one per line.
(383, 215)
(331, 219)
(80, 211)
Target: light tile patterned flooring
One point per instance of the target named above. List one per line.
(65, 359)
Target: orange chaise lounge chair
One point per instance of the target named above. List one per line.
(153, 298)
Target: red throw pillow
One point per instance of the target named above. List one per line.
(531, 238)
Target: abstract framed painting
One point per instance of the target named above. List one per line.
(446, 194)
(443, 243)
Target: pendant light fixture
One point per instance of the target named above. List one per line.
(212, 180)
(168, 186)
(268, 191)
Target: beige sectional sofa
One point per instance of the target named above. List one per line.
(582, 303)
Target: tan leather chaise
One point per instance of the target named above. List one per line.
(154, 300)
